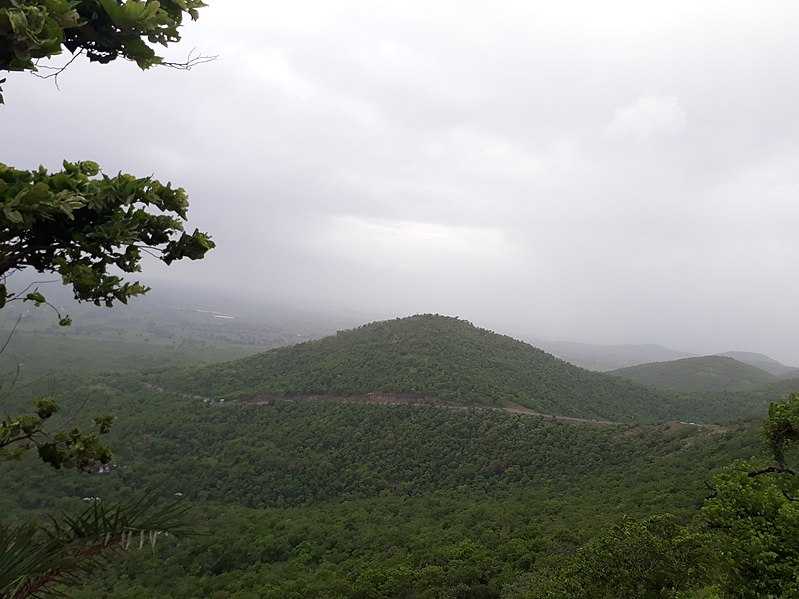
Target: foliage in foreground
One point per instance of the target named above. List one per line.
(744, 542)
(80, 226)
(655, 557)
(71, 448)
(103, 30)
(35, 559)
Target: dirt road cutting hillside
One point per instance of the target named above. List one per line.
(400, 399)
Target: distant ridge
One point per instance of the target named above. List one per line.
(430, 356)
(603, 358)
(764, 362)
(700, 374)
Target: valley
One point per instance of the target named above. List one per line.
(404, 300)
(402, 458)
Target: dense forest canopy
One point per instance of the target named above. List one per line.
(431, 356)
(447, 359)
(303, 497)
(702, 374)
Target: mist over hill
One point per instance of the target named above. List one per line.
(705, 373)
(604, 358)
(764, 362)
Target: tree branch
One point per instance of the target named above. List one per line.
(57, 70)
(190, 62)
(771, 470)
(11, 334)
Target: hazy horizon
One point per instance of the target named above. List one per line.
(613, 173)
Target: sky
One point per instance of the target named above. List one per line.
(606, 172)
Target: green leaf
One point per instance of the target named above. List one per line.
(13, 215)
(45, 408)
(35, 297)
(17, 19)
(93, 223)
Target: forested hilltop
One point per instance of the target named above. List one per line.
(301, 498)
(435, 357)
(704, 373)
(446, 359)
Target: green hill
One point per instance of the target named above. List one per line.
(749, 403)
(434, 357)
(705, 373)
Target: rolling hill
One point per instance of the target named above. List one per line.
(603, 358)
(764, 362)
(702, 374)
(433, 357)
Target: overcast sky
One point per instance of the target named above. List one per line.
(597, 171)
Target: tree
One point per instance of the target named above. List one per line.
(743, 543)
(103, 30)
(655, 558)
(753, 515)
(76, 222)
(81, 225)
(36, 559)
(63, 449)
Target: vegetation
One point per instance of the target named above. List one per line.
(764, 363)
(307, 493)
(446, 359)
(79, 226)
(64, 449)
(103, 30)
(607, 357)
(707, 373)
(655, 557)
(324, 498)
(32, 355)
(721, 406)
(743, 542)
(34, 560)
(83, 227)
(434, 357)
(73, 222)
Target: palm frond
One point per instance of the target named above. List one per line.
(35, 560)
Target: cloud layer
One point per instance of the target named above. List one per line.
(609, 172)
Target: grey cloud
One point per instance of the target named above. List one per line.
(607, 172)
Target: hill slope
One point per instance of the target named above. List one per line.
(764, 362)
(607, 357)
(333, 499)
(430, 356)
(705, 373)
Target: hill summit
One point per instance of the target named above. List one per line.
(705, 373)
(764, 362)
(434, 357)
